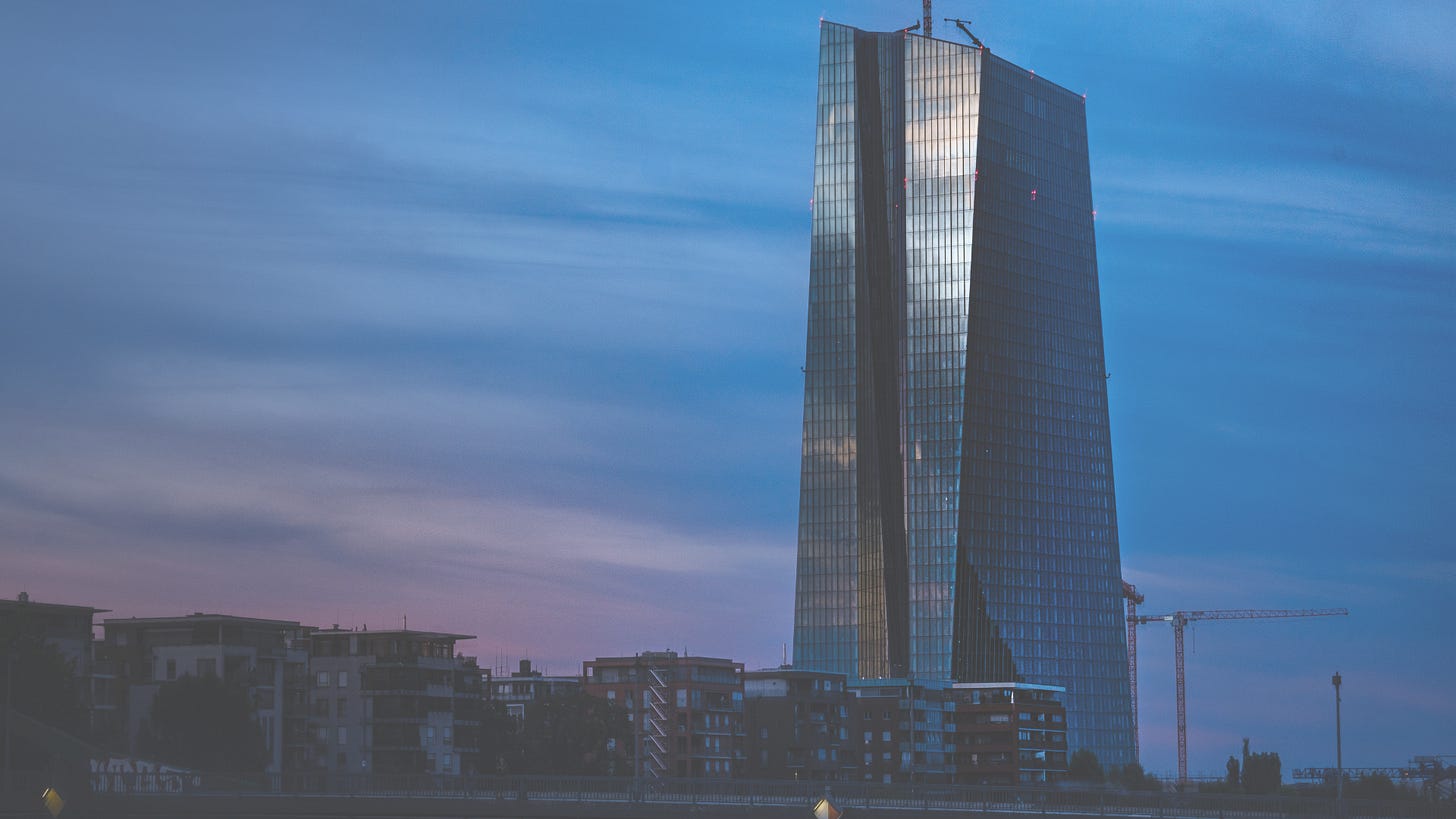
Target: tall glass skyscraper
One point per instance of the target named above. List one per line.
(956, 513)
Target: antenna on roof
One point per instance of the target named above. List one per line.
(961, 24)
(925, 6)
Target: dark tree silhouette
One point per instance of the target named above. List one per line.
(1134, 778)
(571, 735)
(1084, 767)
(1262, 772)
(42, 685)
(204, 724)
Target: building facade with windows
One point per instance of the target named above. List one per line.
(1009, 734)
(393, 702)
(527, 686)
(799, 725)
(686, 712)
(957, 520)
(907, 729)
(267, 658)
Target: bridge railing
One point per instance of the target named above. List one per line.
(770, 792)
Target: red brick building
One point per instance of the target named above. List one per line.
(686, 712)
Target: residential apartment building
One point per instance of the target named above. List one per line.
(1009, 733)
(526, 686)
(268, 658)
(397, 701)
(686, 712)
(904, 725)
(800, 725)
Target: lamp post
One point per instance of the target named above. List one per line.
(1339, 757)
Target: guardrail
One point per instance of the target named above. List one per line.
(856, 795)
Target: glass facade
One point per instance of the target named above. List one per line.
(956, 518)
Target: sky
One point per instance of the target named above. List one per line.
(491, 315)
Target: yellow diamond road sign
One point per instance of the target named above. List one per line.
(53, 801)
(824, 810)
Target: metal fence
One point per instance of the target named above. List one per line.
(772, 792)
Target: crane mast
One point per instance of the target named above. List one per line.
(1134, 599)
(1180, 619)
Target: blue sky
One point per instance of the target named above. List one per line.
(492, 315)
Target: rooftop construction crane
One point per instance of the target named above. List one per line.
(1179, 619)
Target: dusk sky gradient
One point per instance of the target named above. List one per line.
(493, 315)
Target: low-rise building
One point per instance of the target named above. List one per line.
(905, 727)
(1009, 733)
(686, 712)
(268, 658)
(527, 686)
(393, 702)
(800, 725)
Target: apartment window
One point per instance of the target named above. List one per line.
(885, 736)
(448, 731)
(171, 669)
(682, 698)
(321, 707)
(343, 708)
(343, 735)
(447, 760)
(207, 667)
(323, 679)
(343, 679)
(869, 736)
(343, 760)
(430, 734)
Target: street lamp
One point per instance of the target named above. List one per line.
(1339, 757)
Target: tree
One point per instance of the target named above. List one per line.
(1134, 778)
(205, 724)
(498, 742)
(1262, 771)
(1375, 786)
(573, 734)
(1084, 767)
(1232, 777)
(41, 685)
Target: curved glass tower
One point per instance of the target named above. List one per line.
(956, 514)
